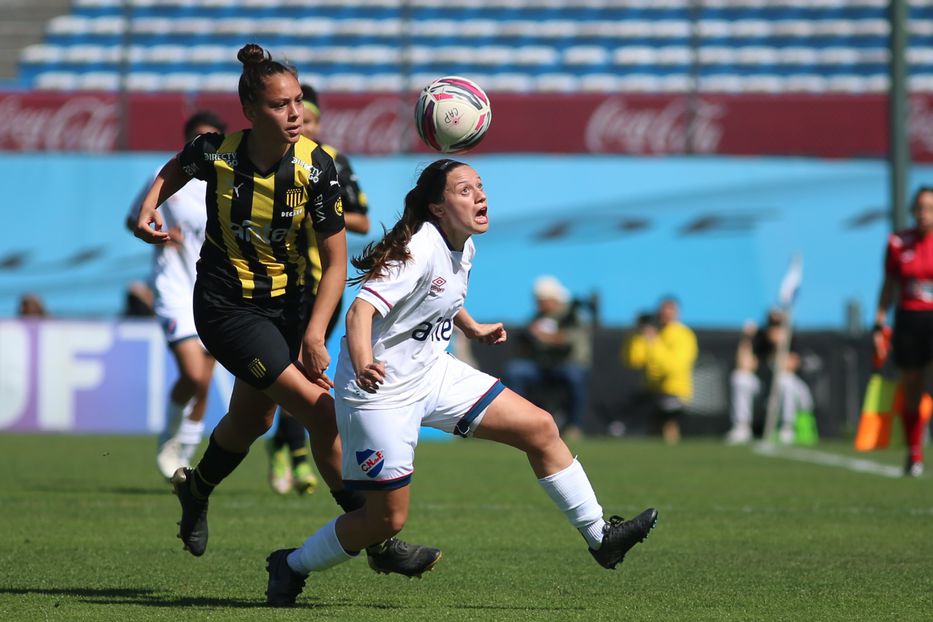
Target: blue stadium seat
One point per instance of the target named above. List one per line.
(536, 45)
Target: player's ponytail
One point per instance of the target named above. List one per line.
(257, 66)
(393, 247)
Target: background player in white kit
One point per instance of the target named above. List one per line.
(394, 375)
(173, 276)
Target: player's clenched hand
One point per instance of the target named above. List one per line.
(490, 334)
(371, 376)
(316, 361)
(149, 226)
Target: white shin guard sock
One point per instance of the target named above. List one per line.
(190, 432)
(319, 552)
(174, 413)
(572, 493)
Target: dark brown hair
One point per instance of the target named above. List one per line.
(257, 66)
(393, 247)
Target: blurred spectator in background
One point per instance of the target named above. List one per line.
(174, 268)
(30, 305)
(908, 280)
(665, 350)
(754, 367)
(554, 351)
(139, 300)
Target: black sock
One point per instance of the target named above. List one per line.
(299, 456)
(280, 436)
(216, 465)
(294, 433)
(349, 500)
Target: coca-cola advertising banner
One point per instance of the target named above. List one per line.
(807, 125)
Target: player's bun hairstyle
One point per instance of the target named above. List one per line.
(257, 66)
(393, 247)
(203, 117)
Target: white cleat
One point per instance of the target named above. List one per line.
(168, 458)
(739, 435)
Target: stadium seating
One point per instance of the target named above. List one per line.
(515, 45)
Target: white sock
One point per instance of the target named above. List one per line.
(572, 493)
(319, 552)
(174, 413)
(190, 432)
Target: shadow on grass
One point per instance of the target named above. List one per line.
(134, 596)
(150, 598)
(153, 491)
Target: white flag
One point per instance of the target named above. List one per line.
(790, 284)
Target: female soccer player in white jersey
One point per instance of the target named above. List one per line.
(394, 375)
(173, 274)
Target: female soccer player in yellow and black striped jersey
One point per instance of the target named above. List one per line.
(258, 304)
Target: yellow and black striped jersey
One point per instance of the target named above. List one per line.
(261, 224)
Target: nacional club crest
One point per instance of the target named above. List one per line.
(371, 461)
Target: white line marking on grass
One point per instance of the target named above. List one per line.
(859, 465)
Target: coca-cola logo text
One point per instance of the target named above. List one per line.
(84, 123)
(673, 128)
(381, 126)
(920, 123)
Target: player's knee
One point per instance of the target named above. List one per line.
(541, 430)
(388, 522)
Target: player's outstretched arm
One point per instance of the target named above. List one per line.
(486, 333)
(149, 222)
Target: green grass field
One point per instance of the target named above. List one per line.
(88, 533)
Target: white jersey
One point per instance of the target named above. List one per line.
(416, 303)
(174, 266)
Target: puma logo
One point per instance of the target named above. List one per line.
(236, 189)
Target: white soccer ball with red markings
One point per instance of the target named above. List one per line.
(452, 114)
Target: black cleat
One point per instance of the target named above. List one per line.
(620, 535)
(394, 555)
(284, 583)
(192, 528)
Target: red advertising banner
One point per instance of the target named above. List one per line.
(837, 126)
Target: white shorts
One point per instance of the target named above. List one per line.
(177, 321)
(379, 445)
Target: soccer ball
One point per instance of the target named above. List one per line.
(452, 114)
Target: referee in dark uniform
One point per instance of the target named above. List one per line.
(258, 303)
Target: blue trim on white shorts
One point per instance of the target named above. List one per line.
(378, 484)
(463, 426)
(175, 342)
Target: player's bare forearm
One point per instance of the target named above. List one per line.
(149, 222)
(333, 250)
(885, 298)
(360, 332)
(486, 333)
(356, 223)
(370, 373)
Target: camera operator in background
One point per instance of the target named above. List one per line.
(554, 350)
(754, 368)
(665, 350)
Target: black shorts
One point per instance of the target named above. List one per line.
(912, 342)
(254, 339)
